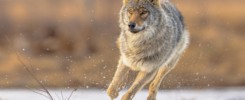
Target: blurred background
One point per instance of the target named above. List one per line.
(71, 43)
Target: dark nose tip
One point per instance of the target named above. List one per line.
(131, 25)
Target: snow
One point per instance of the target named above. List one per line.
(96, 94)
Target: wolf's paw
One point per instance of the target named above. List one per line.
(112, 93)
(151, 97)
(127, 97)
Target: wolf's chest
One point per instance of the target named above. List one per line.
(140, 61)
(138, 57)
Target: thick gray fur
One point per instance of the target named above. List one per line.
(154, 51)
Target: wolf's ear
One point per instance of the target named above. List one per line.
(155, 2)
(125, 1)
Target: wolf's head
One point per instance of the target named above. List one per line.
(140, 15)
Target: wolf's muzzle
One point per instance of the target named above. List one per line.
(131, 25)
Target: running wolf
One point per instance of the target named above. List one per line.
(152, 39)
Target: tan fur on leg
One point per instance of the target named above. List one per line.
(141, 80)
(118, 80)
(154, 86)
(162, 72)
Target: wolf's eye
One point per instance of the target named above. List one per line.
(143, 12)
(130, 11)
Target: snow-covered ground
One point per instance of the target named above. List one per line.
(94, 94)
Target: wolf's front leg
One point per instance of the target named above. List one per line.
(118, 80)
(154, 86)
(162, 72)
(141, 80)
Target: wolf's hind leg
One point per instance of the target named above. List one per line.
(155, 84)
(118, 80)
(141, 80)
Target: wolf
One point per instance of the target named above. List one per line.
(153, 38)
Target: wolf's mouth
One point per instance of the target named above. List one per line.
(136, 30)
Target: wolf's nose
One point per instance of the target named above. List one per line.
(131, 25)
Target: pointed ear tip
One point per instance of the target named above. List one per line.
(155, 2)
(158, 2)
(125, 1)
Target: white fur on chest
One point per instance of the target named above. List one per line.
(146, 66)
(133, 43)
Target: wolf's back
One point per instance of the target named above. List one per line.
(176, 17)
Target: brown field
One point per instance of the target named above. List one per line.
(72, 43)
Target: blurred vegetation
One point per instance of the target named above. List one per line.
(72, 43)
